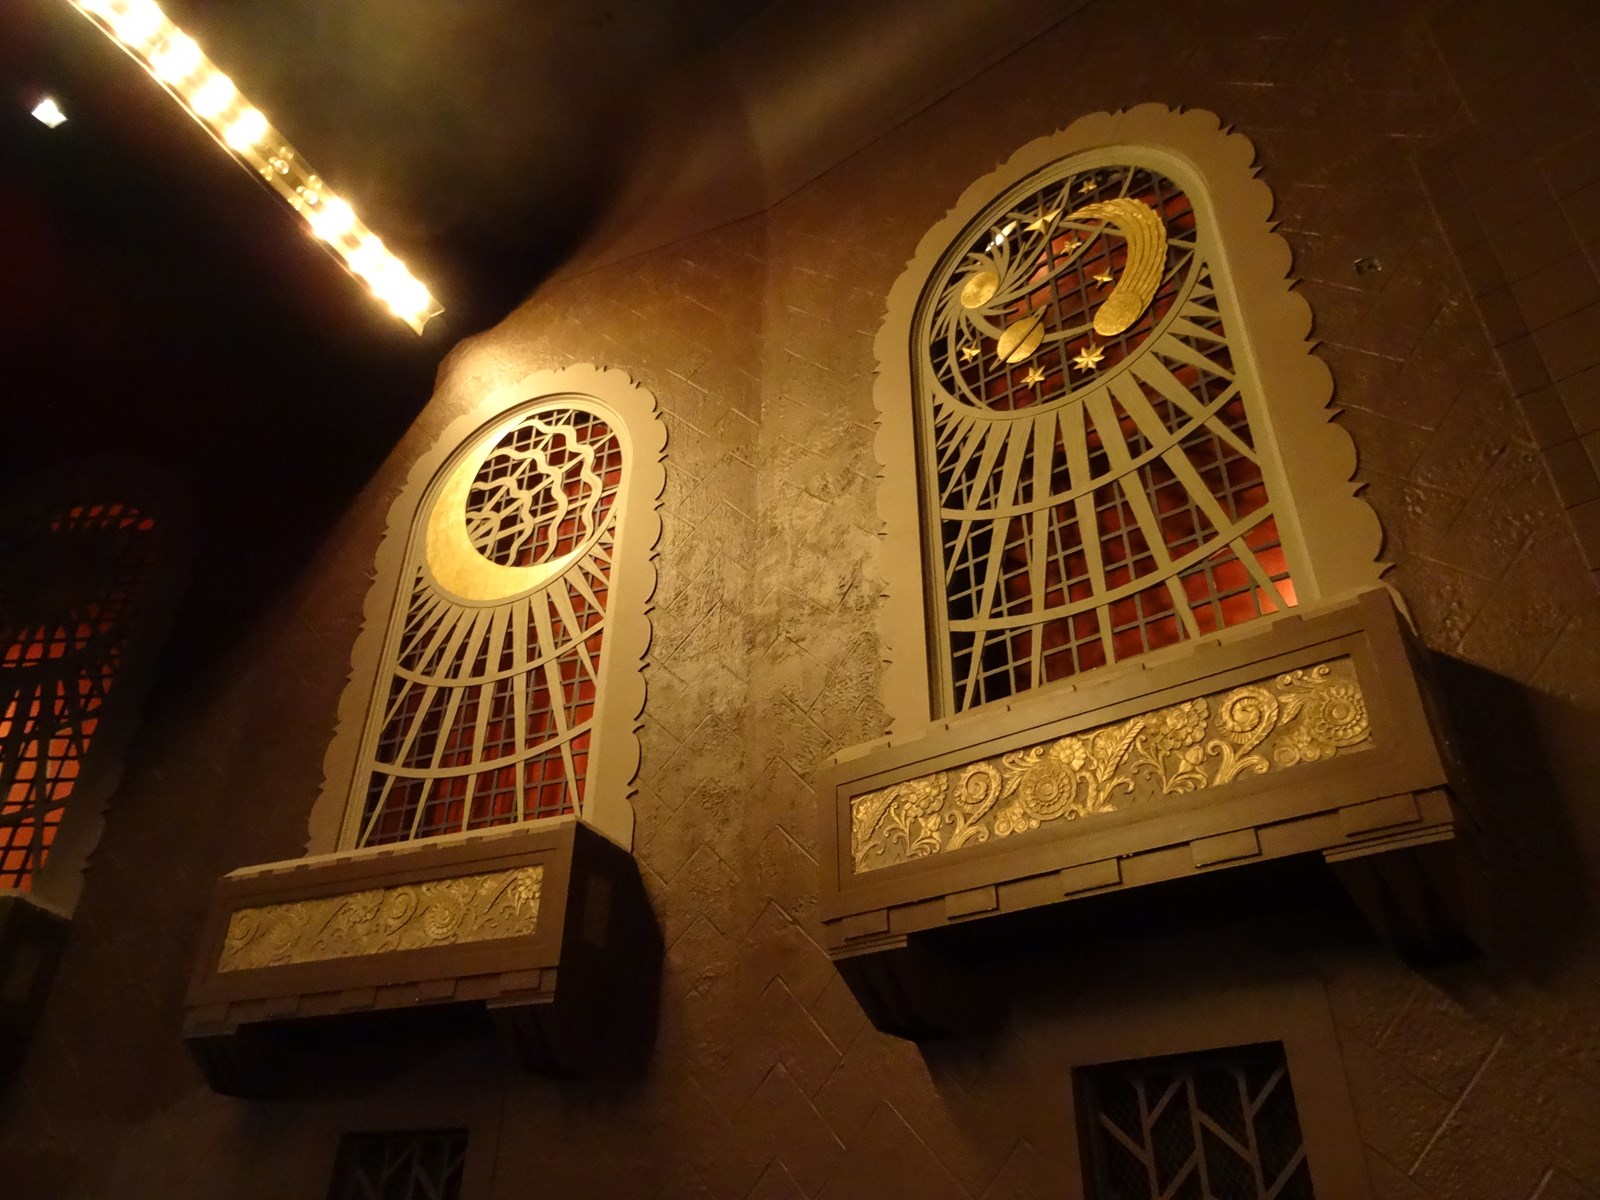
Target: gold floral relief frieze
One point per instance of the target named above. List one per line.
(412, 916)
(1303, 716)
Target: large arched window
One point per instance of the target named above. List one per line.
(1097, 441)
(1133, 615)
(507, 680)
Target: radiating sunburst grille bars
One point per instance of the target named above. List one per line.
(495, 651)
(1094, 491)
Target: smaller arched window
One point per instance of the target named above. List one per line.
(1089, 421)
(472, 841)
(507, 682)
(85, 594)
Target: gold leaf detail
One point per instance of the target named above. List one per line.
(979, 289)
(1146, 237)
(1301, 717)
(413, 916)
(1020, 339)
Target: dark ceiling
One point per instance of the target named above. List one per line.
(484, 134)
(487, 141)
(162, 308)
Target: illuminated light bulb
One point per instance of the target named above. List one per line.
(211, 98)
(48, 112)
(405, 295)
(173, 58)
(138, 23)
(245, 130)
(333, 219)
(369, 259)
(178, 58)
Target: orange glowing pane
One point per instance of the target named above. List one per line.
(65, 666)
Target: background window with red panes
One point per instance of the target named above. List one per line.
(1092, 488)
(489, 708)
(77, 579)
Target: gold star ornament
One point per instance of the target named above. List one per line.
(1037, 225)
(1103, 277)
(1034, 377)
(968, 353)
(1088, 359)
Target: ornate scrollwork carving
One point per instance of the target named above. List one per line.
(437, 912)
(1303, 716)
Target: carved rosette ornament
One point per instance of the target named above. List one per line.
(1303, 716)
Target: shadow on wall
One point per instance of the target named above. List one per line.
(1530, 898)
(611, 1028)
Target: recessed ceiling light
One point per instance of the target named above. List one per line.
(48, 112)
(178, 64)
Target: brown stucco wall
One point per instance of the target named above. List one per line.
(1478, 1081)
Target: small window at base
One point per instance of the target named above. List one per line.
(1215, 1126)
(411, 1165)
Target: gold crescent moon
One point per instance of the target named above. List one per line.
(457, 564)
(1146, 235)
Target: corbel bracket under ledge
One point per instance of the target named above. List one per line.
(1309, 736)
(546, 929)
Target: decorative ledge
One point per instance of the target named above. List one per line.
(292, 950)
(1303, 716)
(1308, 735)
(436, 912)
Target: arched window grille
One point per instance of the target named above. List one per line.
(1091, 485)
(79, 599)
(1102, 428)
(490, 703)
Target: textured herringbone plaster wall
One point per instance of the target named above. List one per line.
(1482, 1082)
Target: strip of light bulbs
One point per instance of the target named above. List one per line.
(176, 62)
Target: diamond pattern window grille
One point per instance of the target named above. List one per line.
(70, 607)
(1215, 1126)
(489, 704)
(1091, 483)
(424, 1165)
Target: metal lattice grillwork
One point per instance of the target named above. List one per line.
(1218, 1126)
(69, 605)
(400, 1166)
(495, 656)
(1094, 491)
